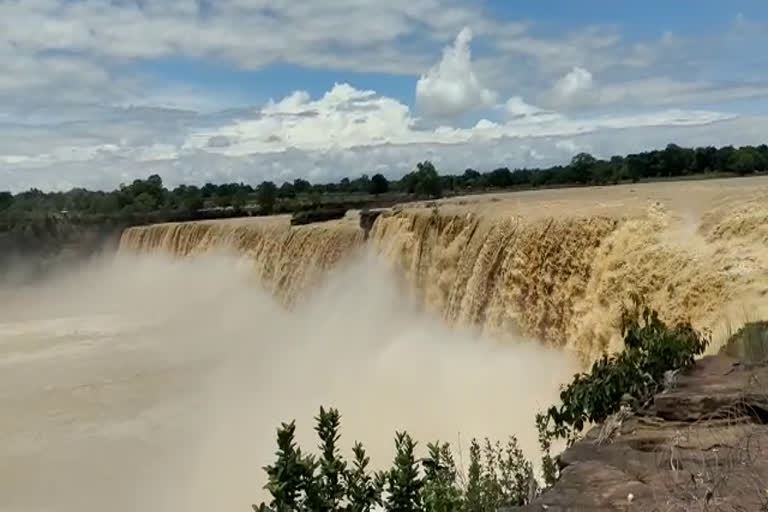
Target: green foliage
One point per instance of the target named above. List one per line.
(333, 470)
(363, 489)
(291, 477)
(148, 200)
(6, 200)
(441, 493)
(266, 195)
(474, 497)
(379, 184)
(498, 476)
(403, 484)
(424, 181)
(651, 349)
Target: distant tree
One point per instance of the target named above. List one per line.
(705, 159)
(470, 174)
(499, 178)
(6, 200)
(743, 161)
(266, 194)
(301, 186)
(379, 184)
(239, 199)
(676, 161)
(361, 184)
(723, 158)
(145, 202)
(427, 181)
(287, 190)
(470, 179)
(193, 203)
(581, 167)
(209, 189)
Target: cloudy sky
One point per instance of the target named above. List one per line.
(98, 92)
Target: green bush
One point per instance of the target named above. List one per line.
(651, 348)
(497, 477)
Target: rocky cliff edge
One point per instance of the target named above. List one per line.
(700, 445)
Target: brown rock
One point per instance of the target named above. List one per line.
(702, 446)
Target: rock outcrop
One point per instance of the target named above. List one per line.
(702, 445)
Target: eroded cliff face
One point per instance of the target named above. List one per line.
(557, 268)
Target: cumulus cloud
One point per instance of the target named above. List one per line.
(451, 87)
(346, 131)
(79, 106)
(575, 87)
(516, 107)
(250, 34)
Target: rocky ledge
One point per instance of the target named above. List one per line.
(700, 445)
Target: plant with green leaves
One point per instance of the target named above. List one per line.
(499, 476)
(330, 482)
(651, 349)
(403, 482)
(291, 478)
(363, 488)
(473, 494)
(440, 490)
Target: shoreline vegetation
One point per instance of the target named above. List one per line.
(43, 229)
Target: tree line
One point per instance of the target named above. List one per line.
(149, 199)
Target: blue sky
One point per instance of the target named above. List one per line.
(94, 93)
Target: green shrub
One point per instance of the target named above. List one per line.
(404, 484)
(363, 489)
(651, 349)
(441, 491)
(290, 480)
(498, 476)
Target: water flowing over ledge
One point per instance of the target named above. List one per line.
(554, 265)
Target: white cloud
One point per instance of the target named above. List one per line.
(70, 70)
(250, 34)
(344, 132)
(574, 88)
(451, 87)
(517, 107)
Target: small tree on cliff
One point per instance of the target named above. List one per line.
(266, 193)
